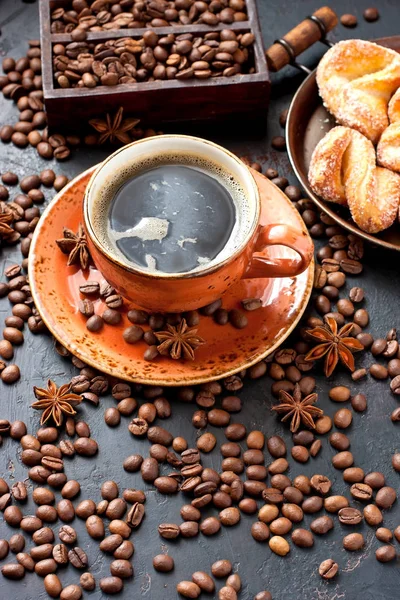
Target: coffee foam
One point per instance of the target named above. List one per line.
(103, 200)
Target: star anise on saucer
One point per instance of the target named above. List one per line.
(298, 410)
(179, 342)
(333, 345)
(115, 128)
(55, 402)
(75, 245)
(6, 217)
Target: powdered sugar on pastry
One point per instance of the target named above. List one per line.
(343, 165)
(325, 172)
(356, 80)
(388, 149)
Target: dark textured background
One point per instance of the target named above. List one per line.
(374, 438)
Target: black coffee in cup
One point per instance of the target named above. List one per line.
(172, 214)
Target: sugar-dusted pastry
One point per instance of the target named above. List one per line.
(388, 149)
(343, 170)
(356, 80)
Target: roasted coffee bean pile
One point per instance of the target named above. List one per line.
(80, 16)
(101, 305)
(152, 57)
(19, 216)
(22, 83)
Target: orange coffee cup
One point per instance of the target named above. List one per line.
(178, 292)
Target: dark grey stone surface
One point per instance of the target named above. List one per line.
(373, 437)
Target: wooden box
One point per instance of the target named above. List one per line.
(156, 102)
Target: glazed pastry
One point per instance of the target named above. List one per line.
(343, 170)
(356, 80)
(388, 150)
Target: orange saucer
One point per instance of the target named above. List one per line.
(55, 289)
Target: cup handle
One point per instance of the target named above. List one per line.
(280, 235)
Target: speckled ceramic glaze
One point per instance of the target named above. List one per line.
(55, 289)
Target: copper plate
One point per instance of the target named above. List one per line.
(307, 123)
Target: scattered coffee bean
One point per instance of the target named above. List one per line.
(371, 14)
(328, 569)
(348, 20)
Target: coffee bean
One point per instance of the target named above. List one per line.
(383, 534)
(375, 480)
(384, 554)
(52, 585)
(328, 569)
(77, 557)
(300, 453)
(133, 334)
(221, 568)
(397, 533)
(260, 531)
(71, 592)
(393, 367)
(67, 534)
(279, 545)
(135, 515)
(238, 319)
(276, 446)
(87, 581)
(321, 525)
(125, 550)
(350, 516)
(359, 402)
(210, 526)
(227, 593)
(342, 460)
(372, 515)
(343, 418)
(361, 491)
(264, 595)
(149, 469)
(353, 542)
(303, 538)
(163, 563)
(385, 497)
(371, 14)
(159, 435)
(13, 571)
(323, 425)
(60, 554)
(121, 568)
(339, 394)
(378, 371)
(321, 484)
(229, 516)
(19, 491)
(94, 323)
(65, 510)
(280, 526)
(339, 441)
(85, 446)
(348, 20)
(45, 566)
(16, 543)
(188, 589)
(95, 527)
(278, 143)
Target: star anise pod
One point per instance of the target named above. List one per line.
(75, 245)
(55, 402)
(333, 345)
(6, 217)
(300, 411)
(115, 128)
(179, 341)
